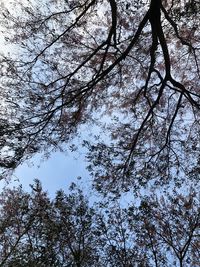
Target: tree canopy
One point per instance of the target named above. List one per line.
(129, 68)
(128, 73)
(69, 230)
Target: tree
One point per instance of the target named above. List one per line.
(115, 239)
(24, 235)
(135, 64)
(74, 220)
(167, 229)
(160, 231)
(38, 232)
(70, 231)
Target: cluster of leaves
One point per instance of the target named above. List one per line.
(134, 64)
(68, 231)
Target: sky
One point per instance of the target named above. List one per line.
(55, 173)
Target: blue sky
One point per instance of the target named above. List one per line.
(58, 172)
